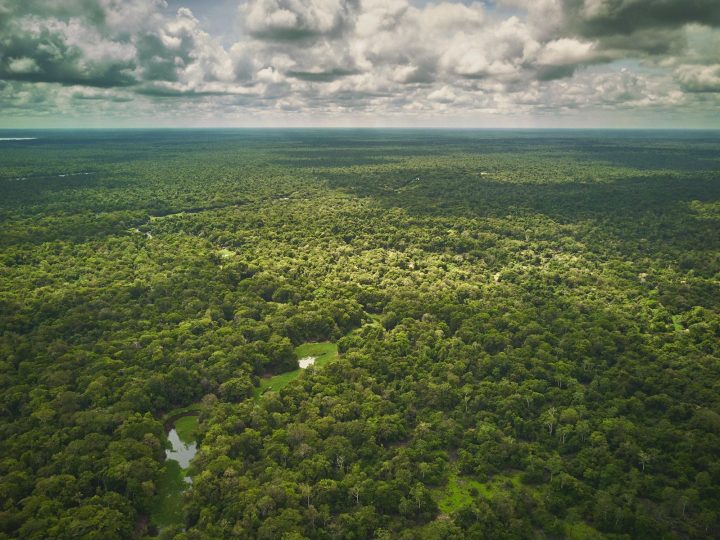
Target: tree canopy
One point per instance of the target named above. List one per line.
(527, 326)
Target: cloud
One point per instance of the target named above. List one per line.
(100, 94)
(321, 76)
(292, 20)
(560, 58)
(66, 52)
(648, 42)
(565, 51)
(109, 44)
(594, 18)
(22, 66)
(694, 78)
(351, 57)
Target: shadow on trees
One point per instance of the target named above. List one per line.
(653, 213)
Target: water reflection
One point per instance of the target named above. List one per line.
(180, 452)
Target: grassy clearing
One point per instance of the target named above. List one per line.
(460, 491)
(323, 351)
(190, 409)
(186, 428)
(277, 382)
(166, 508)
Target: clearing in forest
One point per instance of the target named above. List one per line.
(322, 353)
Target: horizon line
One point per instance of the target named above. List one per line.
(350, 128)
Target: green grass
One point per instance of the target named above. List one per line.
(277, 382)
(186, 427)
(167, 508)
(324, 351)
(194, 408)
(457, 492)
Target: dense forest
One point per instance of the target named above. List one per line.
(527, 326)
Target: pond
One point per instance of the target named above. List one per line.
(181, 451)
(167, 506)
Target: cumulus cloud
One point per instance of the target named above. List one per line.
(108, 43)
(694, 78)
(320, 75)
(63, 51)
(373, 57)
(610, 17)
(564, 51)
(22, 66)
(292, 20)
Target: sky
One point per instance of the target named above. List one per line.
(360, 63)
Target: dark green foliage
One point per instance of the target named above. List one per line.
(527, 326)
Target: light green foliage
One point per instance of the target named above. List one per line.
(581, 531)
(461, 491)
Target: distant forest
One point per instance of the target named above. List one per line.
(519, 334)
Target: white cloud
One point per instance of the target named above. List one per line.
(23, 65)
(370, 57)
(564, 51)
(131, 15)
(699, 78)
(295, 19)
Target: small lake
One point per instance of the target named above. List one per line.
(182, 452)
(166, 508)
